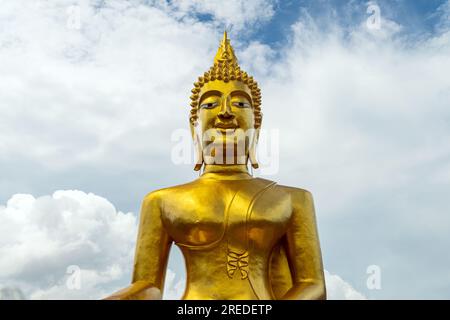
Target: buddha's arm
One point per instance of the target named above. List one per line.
(303, 250)
(152, 251)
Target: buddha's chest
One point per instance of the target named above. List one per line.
(230, 212)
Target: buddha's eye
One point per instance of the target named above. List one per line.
(241, 104)
(209, 105)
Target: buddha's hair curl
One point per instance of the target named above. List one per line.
(226, 71)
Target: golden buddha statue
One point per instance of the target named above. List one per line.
(241, 237)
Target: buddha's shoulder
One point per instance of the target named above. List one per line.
(172, 191)
(298, 195)
(193, 187)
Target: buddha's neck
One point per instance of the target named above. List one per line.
(226, 172)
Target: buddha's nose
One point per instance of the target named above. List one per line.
(225, 110)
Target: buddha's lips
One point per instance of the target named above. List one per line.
(226, 125)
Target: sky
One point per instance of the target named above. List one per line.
(91, 93)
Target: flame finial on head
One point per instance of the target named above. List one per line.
(226, 69)
(225, 53)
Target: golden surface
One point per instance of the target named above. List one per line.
(241, 237)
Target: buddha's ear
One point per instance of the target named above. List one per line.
(257, 130)
(252, 150)
(197, 146)
(192, 128)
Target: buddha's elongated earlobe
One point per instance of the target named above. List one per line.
(198, 149)
(252, 150)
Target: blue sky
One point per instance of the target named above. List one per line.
(418, 18)
(362, 116)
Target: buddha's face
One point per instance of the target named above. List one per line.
(226, 117)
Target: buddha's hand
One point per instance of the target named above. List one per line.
(139, 290)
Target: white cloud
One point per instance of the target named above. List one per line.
(111, 82)
(338, 289)
(366, 110)
(258, 59)
(41, 237)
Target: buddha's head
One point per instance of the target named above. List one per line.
(225, 116)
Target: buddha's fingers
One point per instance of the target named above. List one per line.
(152, 293)
(140, 290)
